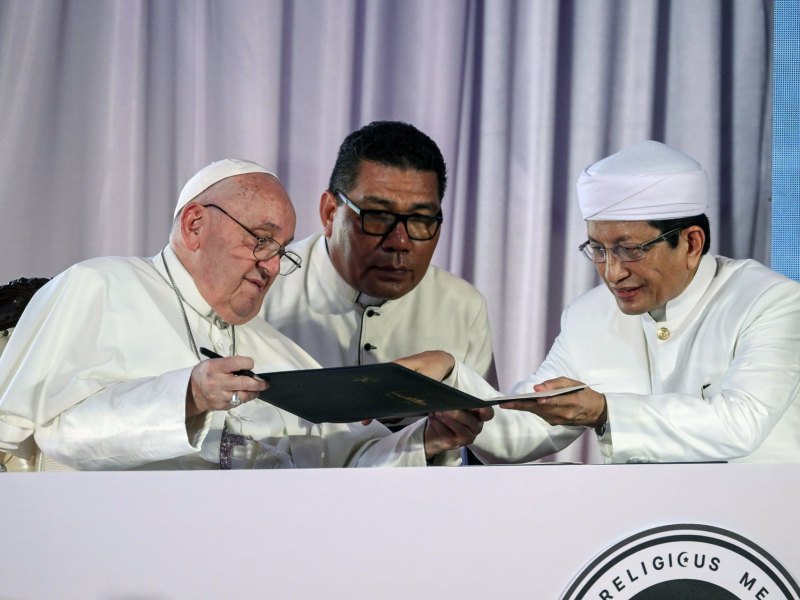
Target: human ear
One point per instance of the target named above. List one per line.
(695, 239)
(193, 225)
(327, 210)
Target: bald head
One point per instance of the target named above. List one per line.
(210, 237)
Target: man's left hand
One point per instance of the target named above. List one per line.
(453, 429)
(585, 407)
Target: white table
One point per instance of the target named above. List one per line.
(438, 533)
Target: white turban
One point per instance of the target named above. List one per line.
(648, 181)
(213, 173)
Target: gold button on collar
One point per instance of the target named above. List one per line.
(663, 333)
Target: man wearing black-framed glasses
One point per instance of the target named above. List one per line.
(367, 292)
(687, 356)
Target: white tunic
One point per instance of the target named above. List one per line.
(316, 308)
(723, 386)
(98, 367)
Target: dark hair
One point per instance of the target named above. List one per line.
(666, 225)
(390, 143)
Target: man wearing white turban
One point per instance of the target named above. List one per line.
(104, 370)
(690, 357)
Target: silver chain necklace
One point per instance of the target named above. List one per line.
(186, 320)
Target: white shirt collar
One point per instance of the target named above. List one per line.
(187, 288)
(677, 307)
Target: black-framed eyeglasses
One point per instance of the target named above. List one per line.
(267, 248)
(381, 222)
(623, 253)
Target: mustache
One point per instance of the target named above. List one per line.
(396, 261)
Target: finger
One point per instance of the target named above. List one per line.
(483, 414)
(244, 396)
(473, 424)
(244, 383)
(230, 364)
(459, 415)
(527, 405)
(465, 417)
(459, 422)
(366, 422)
(439, 428)
(461, 429)
(554, 384)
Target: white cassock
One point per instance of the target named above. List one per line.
(339, 327)
(721, 382)
(98, 367)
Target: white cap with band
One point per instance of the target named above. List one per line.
(214, 173)
(648, 181)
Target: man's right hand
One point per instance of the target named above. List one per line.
(435, 364)
(213, 383)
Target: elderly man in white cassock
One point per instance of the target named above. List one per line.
(104, 370)
(690, 357)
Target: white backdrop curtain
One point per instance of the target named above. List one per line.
(108, 107)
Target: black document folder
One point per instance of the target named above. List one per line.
(351, 394)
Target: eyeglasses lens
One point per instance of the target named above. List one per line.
(418, 227)
(266, 249)
(290, 262)
(598, 254)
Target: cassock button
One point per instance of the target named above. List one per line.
(663, 333)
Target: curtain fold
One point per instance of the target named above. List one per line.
(107, 108)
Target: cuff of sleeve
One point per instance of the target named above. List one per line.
(452, 378)
(626, 418)
(466, 380)
(448, 458)
(414, 443)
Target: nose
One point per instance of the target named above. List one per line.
(615, 269)
(272, 266)
(397, 239)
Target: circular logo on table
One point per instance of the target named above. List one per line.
(686, 562)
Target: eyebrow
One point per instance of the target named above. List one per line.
(278, 229)
(389, 204)
(265, 226)
(270, 227)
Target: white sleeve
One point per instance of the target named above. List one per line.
(511, 436)
(404, 448)
(480, 355)
(762, 382)
(122, 426)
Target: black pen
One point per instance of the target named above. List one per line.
(210, 354)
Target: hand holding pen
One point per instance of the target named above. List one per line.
(222, 384)
(209, 354)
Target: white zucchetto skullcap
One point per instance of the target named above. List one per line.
(216, 172)
(648, 181)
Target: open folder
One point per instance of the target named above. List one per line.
(351, 394)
